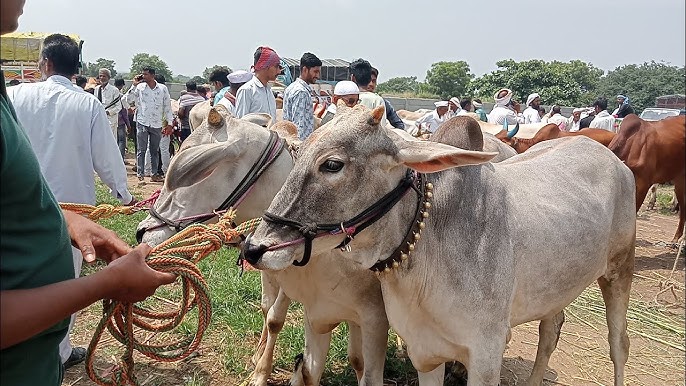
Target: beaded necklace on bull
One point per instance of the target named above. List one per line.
(407, 246)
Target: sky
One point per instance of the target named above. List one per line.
(400, 38)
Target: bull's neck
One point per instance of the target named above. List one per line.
(412, 216)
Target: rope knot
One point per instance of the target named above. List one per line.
(308, 230)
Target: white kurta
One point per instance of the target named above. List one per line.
(531, 115)
(109, 94)
(560, 121)
(499, 114)
(603, 120)
(430, 122)
(71, 137)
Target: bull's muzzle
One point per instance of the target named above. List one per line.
(252, 253)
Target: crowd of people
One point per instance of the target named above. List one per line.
(507, 109)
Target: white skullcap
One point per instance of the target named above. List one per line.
(239, 76)
(531, 98)
(456, 101)
(504, 100)
(441, 104)
(578, 110)
(476, 104)
(346, 87)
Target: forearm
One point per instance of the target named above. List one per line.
(27, 312)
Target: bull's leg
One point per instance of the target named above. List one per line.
(548, 335)
(274, 323)
(270, 291)
(680, 193)
(642, 187)
(355, 356)
(615, 286)
(486, 358)
(433, 377)
(314, 357)
(374, 340)
(652, 197)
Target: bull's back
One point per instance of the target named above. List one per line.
(572, 204)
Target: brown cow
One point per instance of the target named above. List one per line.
(655, 153)
(552, 131)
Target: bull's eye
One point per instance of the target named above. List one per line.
(331, 166)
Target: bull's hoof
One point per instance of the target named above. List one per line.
(298, 379)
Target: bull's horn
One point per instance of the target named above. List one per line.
(512, 132)
(214, 118)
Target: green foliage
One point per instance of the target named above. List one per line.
(642, 83)
(399, 85)
(562, 83)
(449, 79)
(199, 80)
(208, 71)
(91, 69)
(142, 59)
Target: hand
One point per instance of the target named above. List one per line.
(94, 240)
(167, 130)
(132, 280)
(230, 97)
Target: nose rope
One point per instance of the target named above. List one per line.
(351, 227)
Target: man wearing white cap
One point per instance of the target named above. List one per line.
(430, 122)
(348, 92)
(453, 107)
(574, 120)
(236, 80)
(479, 110)
(533, 102)
(505, 109)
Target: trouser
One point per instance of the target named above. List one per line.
(184, 134)
(163, 157)
(65, 344)
(114, 123)
(121, 139)
(143, 134)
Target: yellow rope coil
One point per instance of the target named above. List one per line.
(178, 255)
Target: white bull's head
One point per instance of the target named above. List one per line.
(201, 176)
(344, 167)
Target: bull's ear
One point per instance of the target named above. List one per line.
(195, 163)
(431, 157)
(377, 115)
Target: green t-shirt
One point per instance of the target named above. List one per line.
(35, 249)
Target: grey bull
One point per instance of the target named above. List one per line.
(502, 244)
(332, 290)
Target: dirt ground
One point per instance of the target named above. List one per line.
(582, 355)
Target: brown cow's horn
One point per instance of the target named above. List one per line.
(514, 131)
(214, 118)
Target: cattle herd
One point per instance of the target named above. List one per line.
(448, 241)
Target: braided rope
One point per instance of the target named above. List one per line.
(178, 255)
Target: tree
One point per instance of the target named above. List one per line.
(448, 79)
(142, 60)
(92, 69)
(199, 79)
(399, 85)
(642, 83)
(208, 70)
(562, 83)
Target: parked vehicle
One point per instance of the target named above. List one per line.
(657, 113)
(20, 52)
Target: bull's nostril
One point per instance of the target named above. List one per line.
(252, 253)
(139, 234)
